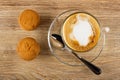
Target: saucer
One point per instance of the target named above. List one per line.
(63, 54)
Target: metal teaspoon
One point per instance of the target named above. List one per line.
(91, 66)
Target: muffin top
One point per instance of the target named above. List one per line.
(29, 20)
(28, 48)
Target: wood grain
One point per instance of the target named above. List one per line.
(46, 66)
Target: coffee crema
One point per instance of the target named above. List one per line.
(81, 32)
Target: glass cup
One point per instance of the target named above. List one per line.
(64, 55)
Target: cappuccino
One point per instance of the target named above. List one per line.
(80, 32)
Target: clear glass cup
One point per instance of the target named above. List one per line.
(63, 54)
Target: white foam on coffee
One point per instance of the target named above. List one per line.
(82, 30)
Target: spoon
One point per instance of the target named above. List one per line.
(91, 66)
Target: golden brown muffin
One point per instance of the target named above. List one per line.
(28, 48)
(29, 20)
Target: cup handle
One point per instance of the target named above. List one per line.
(105, 29)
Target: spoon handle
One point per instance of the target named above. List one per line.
(91, 66)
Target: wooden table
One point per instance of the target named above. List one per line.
(46, 66)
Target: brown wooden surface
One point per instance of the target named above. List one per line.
(46, 66)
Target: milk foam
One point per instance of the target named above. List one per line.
(82, 30)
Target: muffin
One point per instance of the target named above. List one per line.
(28, 48)
(29, 20)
